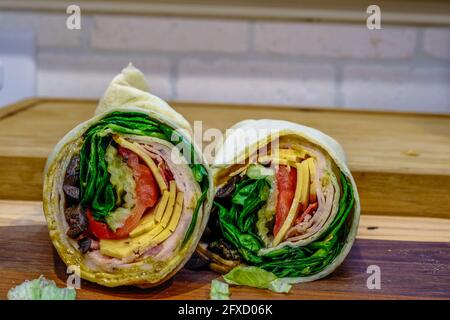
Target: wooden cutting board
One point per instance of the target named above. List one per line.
(408, 271)
(401, 162)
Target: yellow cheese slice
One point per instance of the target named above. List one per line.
(292, 155)
(288, 155)
(150, 216)
(159, 234)
(180, 197)
(162, 236)
(130, 246)
(170, 205)
(299, 151)
(161, 207)
(155, 231)
(115, 248)
(304, 195)
(278, 161)
(146, 224)
(149, 231)
(312, 178)
(176, 212)
(292, 215)
(285, 157)
(170, 201)
(136, 148)
(126, 247)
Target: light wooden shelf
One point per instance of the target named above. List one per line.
(400, 161)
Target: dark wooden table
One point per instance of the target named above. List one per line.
(409, 270)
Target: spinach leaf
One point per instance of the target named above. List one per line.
(251, 197)
(238, 221)
(95, 186)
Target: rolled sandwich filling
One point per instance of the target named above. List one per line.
(287, 208)
(130, 195)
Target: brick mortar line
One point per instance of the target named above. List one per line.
(339, 97)
(420, 57)
(250, 55)
(251, 37)
(173, 78)
(86, 35)
(246, 57)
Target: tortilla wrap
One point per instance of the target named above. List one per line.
(304, 201)
(101, 198)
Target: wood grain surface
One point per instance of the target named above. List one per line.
(401, 162)
(378, 227)
(409, 270)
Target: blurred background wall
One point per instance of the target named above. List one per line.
(339, 65)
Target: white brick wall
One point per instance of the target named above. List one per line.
(50, 28)
(242, 61)
(256, 82)
(437, 42)
(334, 40)
(396, 88)
(169, 34)
(87, 75)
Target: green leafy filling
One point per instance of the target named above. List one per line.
(201, 176)
(219, 290)
(124, 187)
(258, 278)
(238, 227)
(41, 289)
(237, 223)
(97, 191)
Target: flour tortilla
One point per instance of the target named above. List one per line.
(127, 92)
(241, 141)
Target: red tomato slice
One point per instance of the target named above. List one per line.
(147, 191)
(99, 229)
(286, 183)
(147, 194)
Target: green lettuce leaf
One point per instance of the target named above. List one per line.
(257, 171)
(219, 290)
(96, 188)
(257, 278)
(40, 289)
(121, 178)
(280, 285)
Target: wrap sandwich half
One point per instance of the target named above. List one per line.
(127, 193)
(285, 202)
